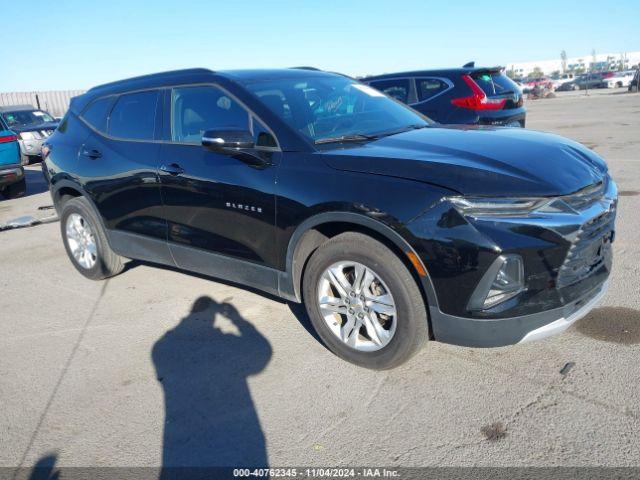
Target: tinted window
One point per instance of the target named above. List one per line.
(198, 109)
(134, 116)
(261, 135)
(397, 88)
(429, 87)
(323, 108)
(493, 84)
(62, 126)
(277, 102)
(96, 113)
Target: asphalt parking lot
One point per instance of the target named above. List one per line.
(156, 367)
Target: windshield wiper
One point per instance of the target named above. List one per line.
(346, 138)
(416, 126)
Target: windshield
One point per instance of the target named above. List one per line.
(326, 108)
(26, 118)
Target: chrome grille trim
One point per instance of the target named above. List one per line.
(589, 251)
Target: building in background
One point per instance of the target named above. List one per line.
(590, 62)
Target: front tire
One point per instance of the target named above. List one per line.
(85, 241)
(364, 303)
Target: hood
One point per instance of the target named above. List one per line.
(478, 160)
(36, 127)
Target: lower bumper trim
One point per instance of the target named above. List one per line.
(476, 332)
(563, 323)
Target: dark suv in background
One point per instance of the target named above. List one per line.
(320, 189)
(467, 95)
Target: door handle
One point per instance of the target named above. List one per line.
(91, 153)
(172, 169)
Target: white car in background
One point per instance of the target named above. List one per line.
(562, 79)
(620, 79)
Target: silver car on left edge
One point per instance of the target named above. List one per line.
(32, 126)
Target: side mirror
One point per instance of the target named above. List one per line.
(227, 139)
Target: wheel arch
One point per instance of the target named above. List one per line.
(314, 231)
(64, 189)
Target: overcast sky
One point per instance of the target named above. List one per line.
(75, 44)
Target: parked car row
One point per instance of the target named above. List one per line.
(598, 80)
(312, 186)
(570, 81)
(12, 179)
(528, 84)
(634, 85)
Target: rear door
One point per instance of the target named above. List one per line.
(118, 163)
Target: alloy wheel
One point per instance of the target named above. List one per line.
(357, 306)
(81, 241)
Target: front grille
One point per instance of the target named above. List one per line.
(590, 250)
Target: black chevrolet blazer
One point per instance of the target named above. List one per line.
(319, 189)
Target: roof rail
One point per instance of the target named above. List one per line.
(151, 76)
(306, 68)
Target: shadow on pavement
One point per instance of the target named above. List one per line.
(45, 469)
(210, 417)
(618, 325)
(298, 309)
(35, 181)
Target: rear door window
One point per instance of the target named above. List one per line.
(97, 112)
(134, 116)
(495, 84)
(430, 87)
(395, 88)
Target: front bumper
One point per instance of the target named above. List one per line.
(470, 332)
(31, 148)
(567, 259)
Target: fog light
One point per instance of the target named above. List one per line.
(503, 280)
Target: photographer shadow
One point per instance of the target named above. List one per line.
(210, 418)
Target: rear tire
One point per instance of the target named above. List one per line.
(403, 332)
(15, 190)
(85, 241)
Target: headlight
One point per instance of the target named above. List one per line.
(489, 207)
(27, 136)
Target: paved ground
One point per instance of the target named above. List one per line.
(155, 366)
